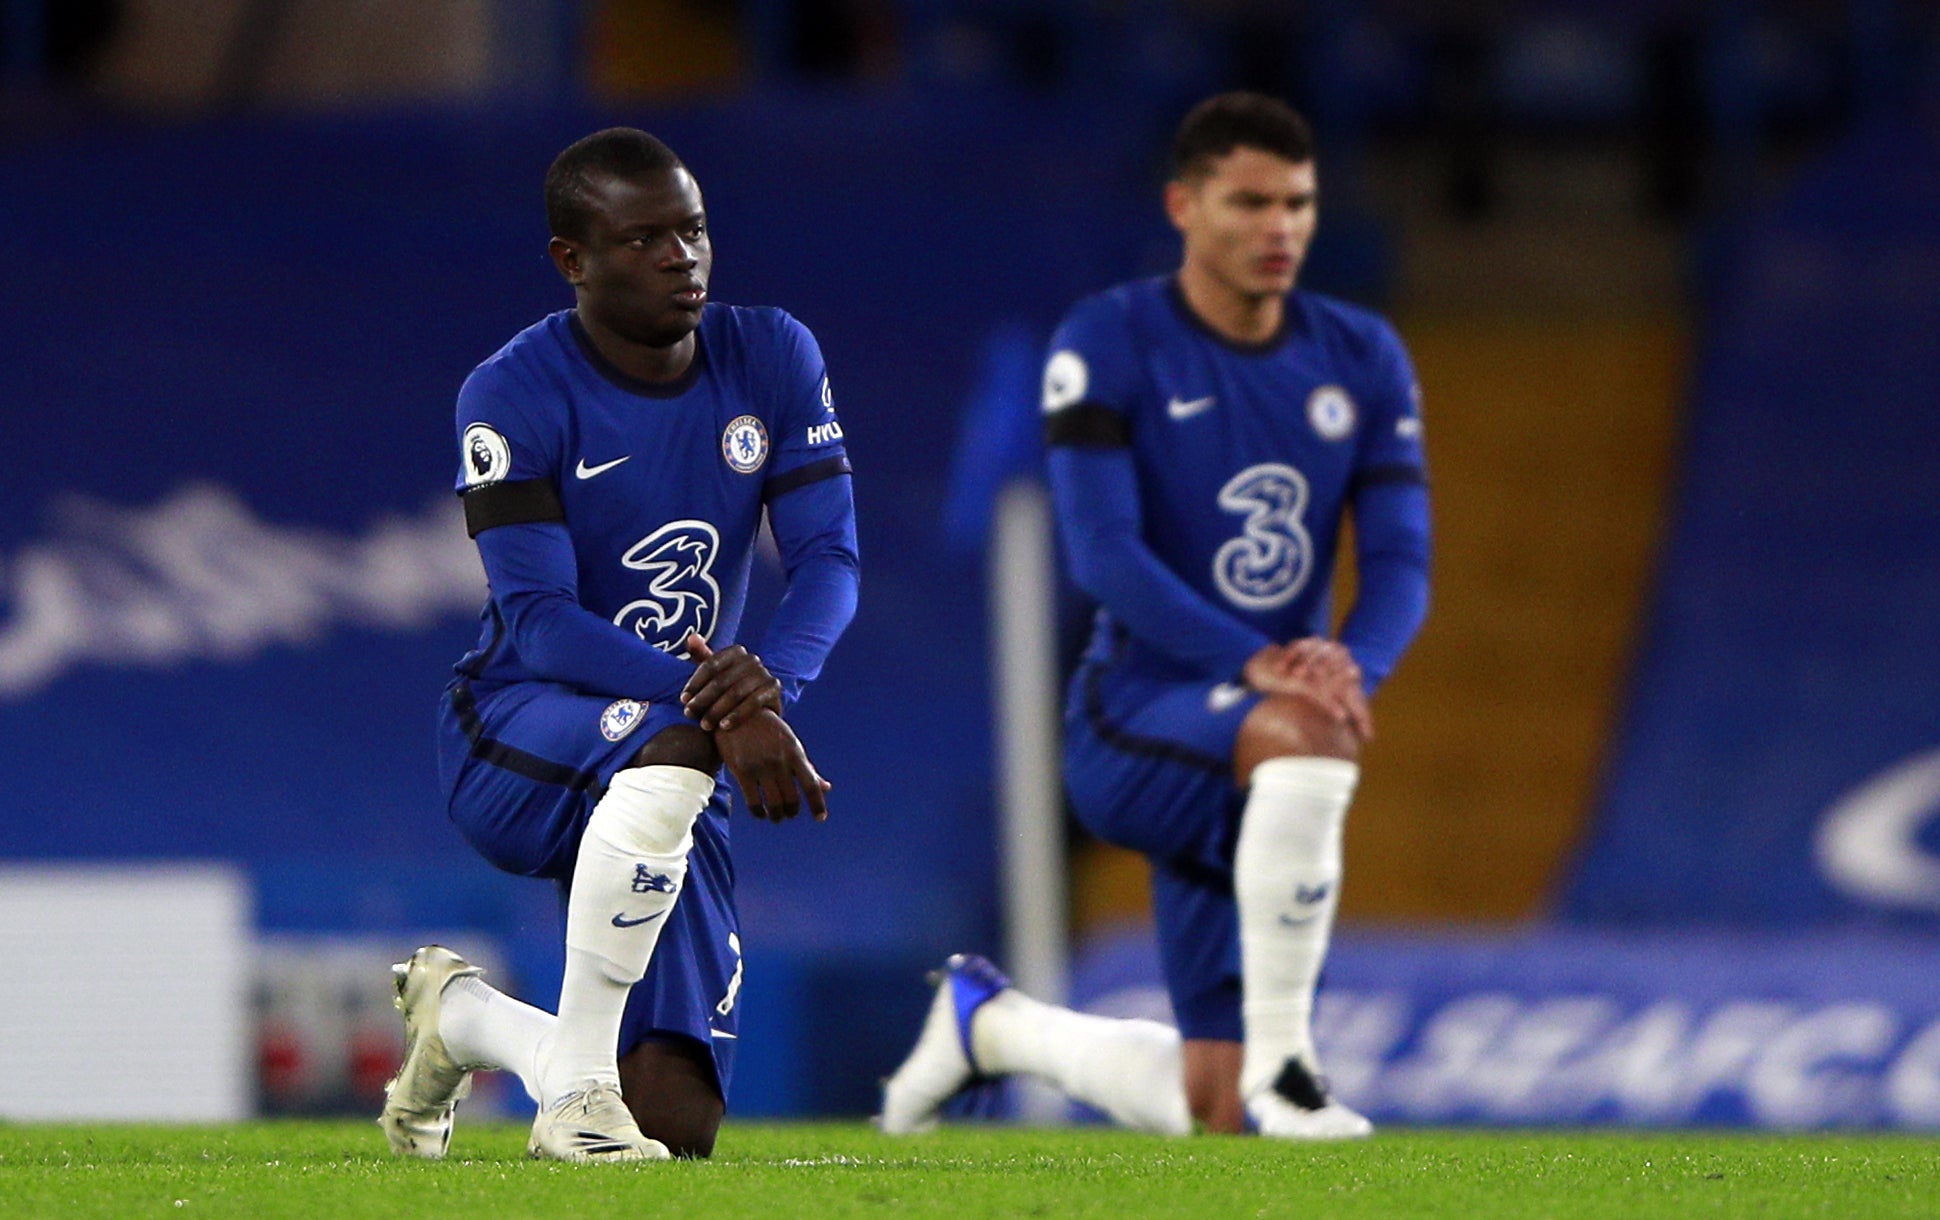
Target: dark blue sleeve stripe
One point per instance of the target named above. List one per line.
(1376, 476)
(513, 759)
(519, 503)
(1141, 747)
(1088, 425)
(802, 476)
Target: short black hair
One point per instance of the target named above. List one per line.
(1227, 121)
(617, 152)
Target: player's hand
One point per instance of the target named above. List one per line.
(1326, 669)
(1319, 669)
(768, 762)
(727, 686)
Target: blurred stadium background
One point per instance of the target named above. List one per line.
(1651, 833)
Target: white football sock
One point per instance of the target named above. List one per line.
(1286, 876)
(1130, 1069)
(631, 865)
(484, 1027)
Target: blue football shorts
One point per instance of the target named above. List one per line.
(1148, 764)
(523, 765)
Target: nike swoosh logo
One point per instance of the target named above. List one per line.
(586, 472)
(1292, 922)
(621, 921)
(1186, 408)
(722, 1033)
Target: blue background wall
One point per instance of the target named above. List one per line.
(1793, 654)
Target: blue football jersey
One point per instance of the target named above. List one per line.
(1244, 461)
(661, 488)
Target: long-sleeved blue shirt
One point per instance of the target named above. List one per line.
(1201, 485)
(615, 515)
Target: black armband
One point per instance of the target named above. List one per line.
(1087, 425)
(1376, 476)
(802, 476)
(524, 502)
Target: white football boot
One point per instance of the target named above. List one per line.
(421, 1099)
(592, 1125)
(1296, 1107)
(941, 1064)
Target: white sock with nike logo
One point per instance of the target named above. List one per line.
(1286, 877)
(631, 865)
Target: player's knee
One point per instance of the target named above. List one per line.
(1329, 737)
(680, 745)
(1211, 1071)
(1292, 726)
(689, 1135)
(1215, 1107)
(669, 1086)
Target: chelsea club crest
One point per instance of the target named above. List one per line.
(745, 444)
(621, 717)
(1331, 412)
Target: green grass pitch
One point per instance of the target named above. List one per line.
(273, 1169)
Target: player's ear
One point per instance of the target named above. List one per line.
(565, 256)
(1178, 200)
